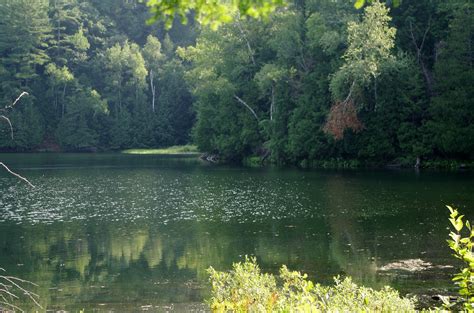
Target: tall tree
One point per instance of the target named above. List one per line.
(452, 108)
(370, 44)
(24, 36)
(154, 60)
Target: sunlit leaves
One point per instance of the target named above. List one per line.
(370, 45)
(246, 289)
(126, 68)
(212, 13)
(152, 53)
(359, 4)
(370, 42)
(59, 75)
(462, 242)
(216, 12)
(79, 40)
(269, 74)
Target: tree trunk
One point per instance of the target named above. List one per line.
(120, 100)
(247, 106)
(419, 57)
(375, 93)
(62, 100)
(120, 96)
(272, 103)
(59, 30)
(152, 86)
(244, 36)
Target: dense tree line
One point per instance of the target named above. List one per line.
(317, 80)
(322, 80)
(97, 75)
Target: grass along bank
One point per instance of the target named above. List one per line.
(174, 150)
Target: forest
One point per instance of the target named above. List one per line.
(113, 112)
(317, 80)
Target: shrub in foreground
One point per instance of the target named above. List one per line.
(462, 243)
(246, 289)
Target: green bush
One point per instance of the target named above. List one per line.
(246, 289)
(461, 243)
(253, 161)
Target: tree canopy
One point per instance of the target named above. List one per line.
(315, 81)
(217, 12)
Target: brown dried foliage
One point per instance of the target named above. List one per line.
(342, 116)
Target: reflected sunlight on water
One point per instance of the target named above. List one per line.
(114, 232)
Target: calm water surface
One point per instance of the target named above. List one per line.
(123, 233)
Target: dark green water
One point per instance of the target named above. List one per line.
(121, 232)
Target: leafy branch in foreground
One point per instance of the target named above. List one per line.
(246, 289)
(212, 13)
(217, 12)
(461, 243)
(360, 3)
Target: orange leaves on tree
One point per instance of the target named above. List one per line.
(342, 116)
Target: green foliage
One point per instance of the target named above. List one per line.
(461, 243)
(27, 128)
(253, 87)
(333, 164)
(213, 13)
(217, 12)
(58, 75)
(360, 3)
(24, 36)
(186, 149)
(76, 129)
(370, 45)
(253, 161)
(289, 70)
(452, 107)
(246, 289)
(87, 66)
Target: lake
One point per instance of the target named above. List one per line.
(125, 233)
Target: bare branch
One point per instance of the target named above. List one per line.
(425, 34)
(247, 106)
(244, 36)
(350, 93)
(10, 282)
(11, 305)
(17, 175)
(9, 124)
(33, 296)
(419, 57)
(272, 103)
(11, 134)
(19, 280)
(24, 93)
(5, 290)
(152, 87)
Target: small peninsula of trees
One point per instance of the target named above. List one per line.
(314, 80)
